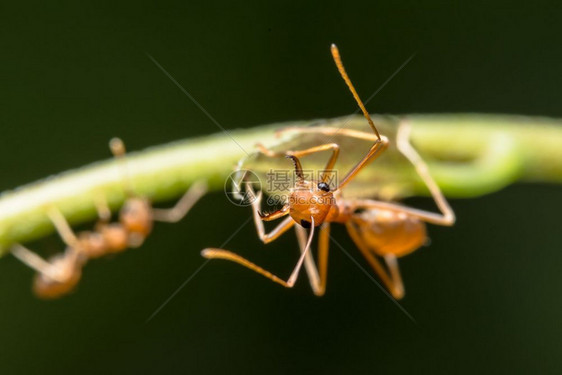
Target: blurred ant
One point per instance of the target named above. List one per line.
(62, 273)
(377, 228)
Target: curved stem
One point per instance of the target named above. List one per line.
(468, 155)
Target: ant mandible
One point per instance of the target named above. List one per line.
(61, 274)
(383, 229)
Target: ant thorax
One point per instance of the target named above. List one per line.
(136, 216)
(310, 200)
(115, 236)
(92, 244)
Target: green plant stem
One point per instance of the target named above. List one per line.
(500, 150)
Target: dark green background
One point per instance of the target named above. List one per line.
(486, 294)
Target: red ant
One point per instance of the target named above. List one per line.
(378, 228)
(61, 274)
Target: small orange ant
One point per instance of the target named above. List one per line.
(61, 274)
(377, 228)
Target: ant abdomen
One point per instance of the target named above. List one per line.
(388, 232)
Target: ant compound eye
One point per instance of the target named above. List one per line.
(324, 186)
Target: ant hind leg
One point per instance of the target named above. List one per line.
(406, 148)
(392, 281)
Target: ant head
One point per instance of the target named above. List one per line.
(136, 216)
(70, 272)
(309, 200)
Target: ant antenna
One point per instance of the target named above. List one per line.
(118, 150)
(293, 278)
(298, 166)
(339, 64)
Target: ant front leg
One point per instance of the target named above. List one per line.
(259, 218)
(335, 148)
(380, 143)
(35, 262)
(212, 253)
(329, 132)
(182, 207)
(102, 208)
